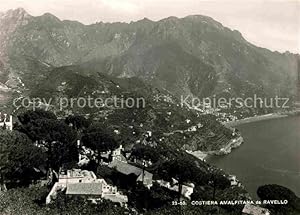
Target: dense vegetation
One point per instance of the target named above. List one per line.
(42, 143)
(31, 151)
(277, 192)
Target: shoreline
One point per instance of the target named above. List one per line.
(262, 118)
(255, 119)
(236, 142)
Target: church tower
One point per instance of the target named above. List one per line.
(298, 81)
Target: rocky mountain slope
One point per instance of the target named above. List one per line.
(149, 109)
(195, 55)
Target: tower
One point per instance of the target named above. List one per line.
(6, 123)
(298, 81)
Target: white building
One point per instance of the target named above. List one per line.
(187, 188)
(78, 182)
(233, 180)
(86, 153)
(6, 122)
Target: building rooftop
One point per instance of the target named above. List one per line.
(85, 183)
(125, 168)
(77, 173)
(128, 169)
(84, 189)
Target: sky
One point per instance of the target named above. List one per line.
(273, 24)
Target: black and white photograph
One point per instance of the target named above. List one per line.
(149, 107)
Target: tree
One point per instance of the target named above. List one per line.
(32, 115)
(57, 137)
(100, 140)
(274, 191)
(145, 152)
(18, 157)
(79, 123)
(182, 169)
(218, 181)
(19, 201)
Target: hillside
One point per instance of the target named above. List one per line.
(154, 110)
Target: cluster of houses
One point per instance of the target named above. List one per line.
(84, 183)
(77, 182)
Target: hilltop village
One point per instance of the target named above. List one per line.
(74, 162)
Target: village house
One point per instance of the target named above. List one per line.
(187, 188)
(233, 180)
(84, 183)
(250, 209)
(86, 154)
(115, 154)
(127, 169)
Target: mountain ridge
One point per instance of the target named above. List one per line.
(193, 16)
(194, 55)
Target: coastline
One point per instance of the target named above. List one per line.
(262, 117)
(234, 143)
(255, 119)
